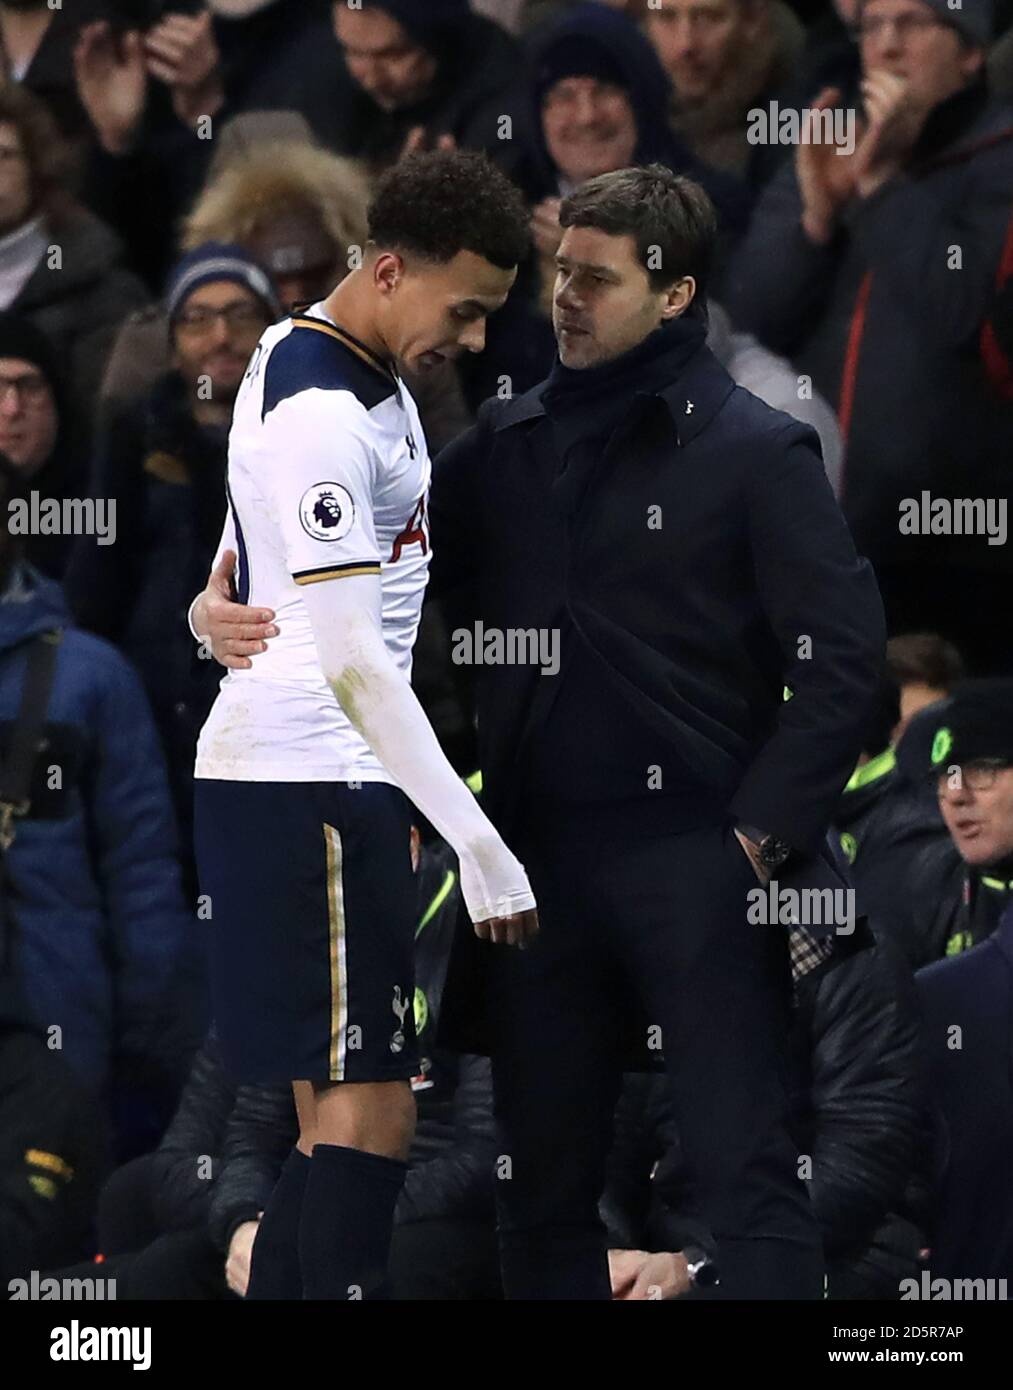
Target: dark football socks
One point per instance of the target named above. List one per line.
(274, 1267)
(347, 1220)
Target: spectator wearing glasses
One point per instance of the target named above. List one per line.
(964, 747)
(163, 460)
(35, 431)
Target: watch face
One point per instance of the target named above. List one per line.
(774, 852)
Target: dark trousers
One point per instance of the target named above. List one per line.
(646, 907)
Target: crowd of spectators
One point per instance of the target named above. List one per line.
(175, 176)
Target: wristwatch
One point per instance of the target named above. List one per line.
(774, 853)
(702, 1271)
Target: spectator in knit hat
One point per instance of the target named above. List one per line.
(163, 459)
(963, 748)
(35, 433)
(597, 100)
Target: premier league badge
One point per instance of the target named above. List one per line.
(327, 512)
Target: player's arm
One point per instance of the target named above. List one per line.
(345, 615)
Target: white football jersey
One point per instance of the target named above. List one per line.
(328, 476)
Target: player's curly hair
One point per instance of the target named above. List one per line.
(437, 204)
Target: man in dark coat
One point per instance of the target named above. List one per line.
(672, 546)
(682, 542)
(967, 1005)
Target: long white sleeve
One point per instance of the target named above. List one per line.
(345, 615)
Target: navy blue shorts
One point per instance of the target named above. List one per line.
(312, 914)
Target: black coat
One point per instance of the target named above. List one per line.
(698, 625)
(908, 873)
(186, 1163)
(972, 1235)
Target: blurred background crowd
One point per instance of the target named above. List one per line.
(175, 175)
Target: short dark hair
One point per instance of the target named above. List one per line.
(437, 204)
(925, 658)
(670, 217)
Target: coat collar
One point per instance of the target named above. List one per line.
(692, 400)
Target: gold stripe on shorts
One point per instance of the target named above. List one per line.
(338, 964)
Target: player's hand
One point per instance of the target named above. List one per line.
(237, 1261)
(234, 632)
(112, 82)
(517, 930)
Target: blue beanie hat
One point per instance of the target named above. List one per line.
(219, 260)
